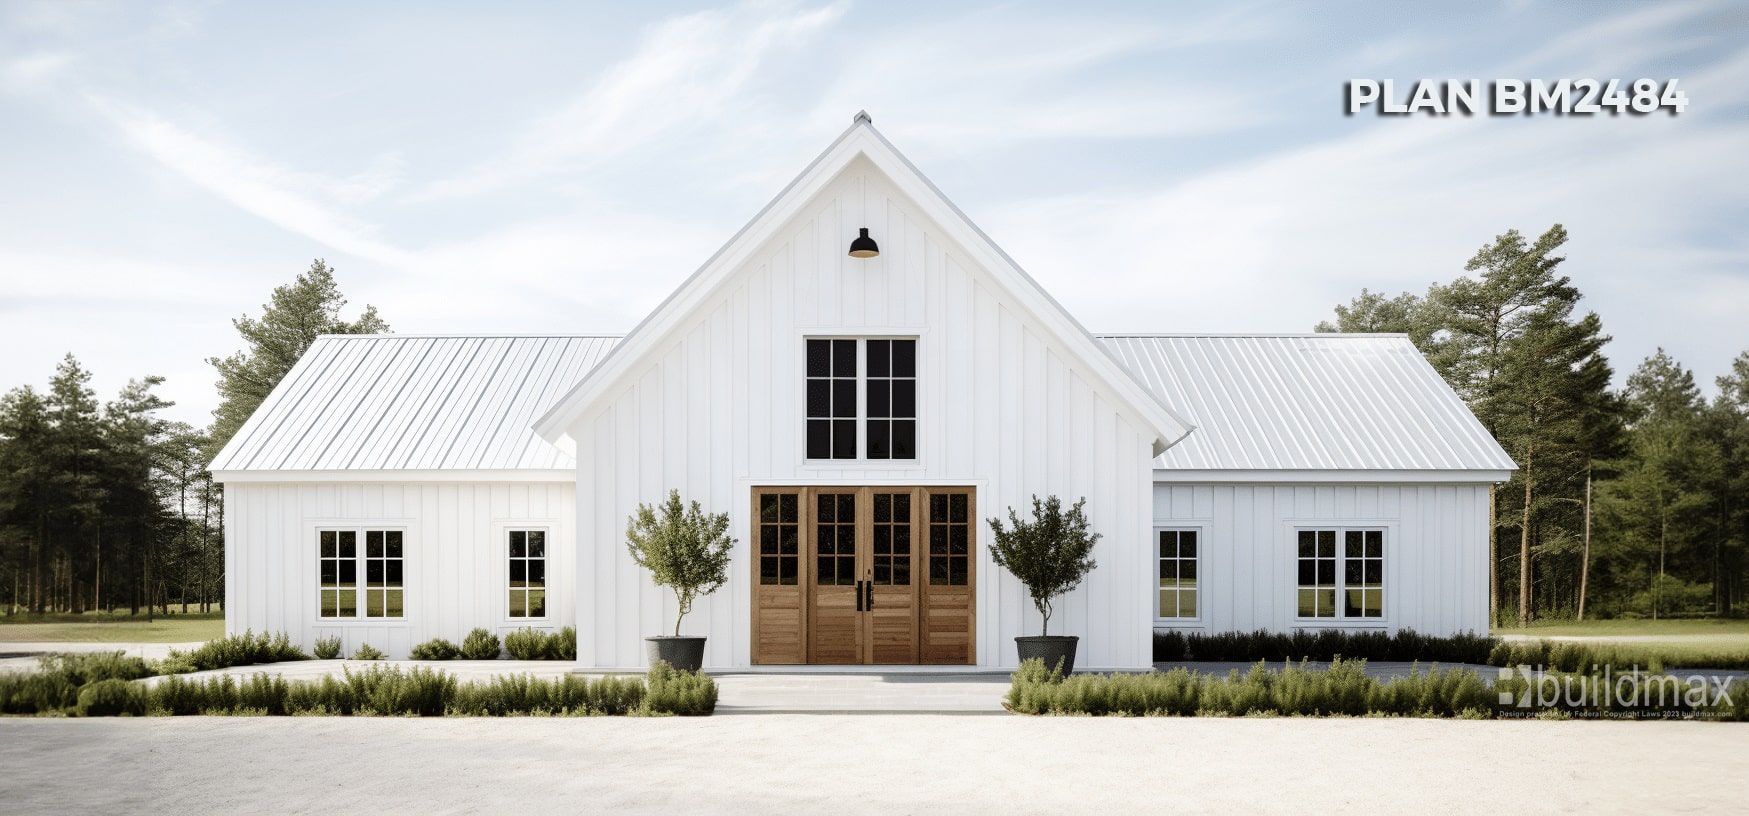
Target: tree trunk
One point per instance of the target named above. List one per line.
(1524, 542)
(1663, 538)
(1585, 563)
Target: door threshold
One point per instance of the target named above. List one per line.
(856, 669)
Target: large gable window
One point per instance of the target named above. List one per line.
(862, 399)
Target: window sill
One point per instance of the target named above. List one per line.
(1341, 623)
(363, 622)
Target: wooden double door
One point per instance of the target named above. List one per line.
(861, 575)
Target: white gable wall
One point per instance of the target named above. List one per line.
(718, 408)
(455, 564)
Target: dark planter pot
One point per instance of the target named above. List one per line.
(684, 653)
(1050, 649)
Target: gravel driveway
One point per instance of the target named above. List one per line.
(865, 764)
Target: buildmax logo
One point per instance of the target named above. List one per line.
(1606, 692)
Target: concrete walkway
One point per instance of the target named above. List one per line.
(12, 650)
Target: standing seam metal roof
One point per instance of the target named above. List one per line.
(412, 402)
(1308, 402)
(1261, 402)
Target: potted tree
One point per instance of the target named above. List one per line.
(1050, 554)
(686, 550)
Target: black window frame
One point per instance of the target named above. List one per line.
(860, 399)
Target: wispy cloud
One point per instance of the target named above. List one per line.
(296, 201)
(687, 69)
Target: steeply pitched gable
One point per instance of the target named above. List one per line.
(862, 142)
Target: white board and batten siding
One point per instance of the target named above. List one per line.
(1435, 551)
(456, 570)
(718, 408)
(1321, 430)
(425, 434)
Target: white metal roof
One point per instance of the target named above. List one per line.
(411, 402)
(1277, 402)
(1308, 402)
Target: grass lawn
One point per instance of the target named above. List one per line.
(1703, 627)
(101, 627)
(1670, 640)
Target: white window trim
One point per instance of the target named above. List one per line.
(1201, 617)
(501, 550)
(1388, 527)
(861, 461)
(312, 552)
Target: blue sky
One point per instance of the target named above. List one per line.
(559, 167)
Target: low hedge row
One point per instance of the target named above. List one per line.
(522, 644)
(1407, 645)
(1581, 657)
(377, 690)
(1321, 645)
(1345, 689)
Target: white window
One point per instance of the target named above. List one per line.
(341, 562)
(528, 573)
(1341, 573)
(861, 399)
(1178, 573)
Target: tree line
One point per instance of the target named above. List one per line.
(108, 506)
(1627, 502)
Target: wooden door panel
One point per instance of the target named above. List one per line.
(780, 612)
(847, 575)
(835, 619)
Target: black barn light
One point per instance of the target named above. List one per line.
(864, 246)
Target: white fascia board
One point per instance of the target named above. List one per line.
(1174, 476)
(434, 475)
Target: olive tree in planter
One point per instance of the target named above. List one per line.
(1050, 554)
(686, 550)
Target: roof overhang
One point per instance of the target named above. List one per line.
(1274, 476)
(860, 140)
(407, 476)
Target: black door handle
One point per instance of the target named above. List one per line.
(868, 587)
(859, 596)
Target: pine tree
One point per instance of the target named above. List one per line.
(1727, 424)
(290, 321)
(76, 486)
(1536, 378)
(1657, 508)
(25, 497)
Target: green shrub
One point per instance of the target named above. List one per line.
(436, 649)
(36, 693)
(247, 649)
(328, 648)
(391, 691)
(1322, 645)
(562, 645)
(80, 668)
(526, 644)
(367, 652)
(1346, 690)
(110, 698)
(1583, 657)
(688, 694)
(480, 645)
